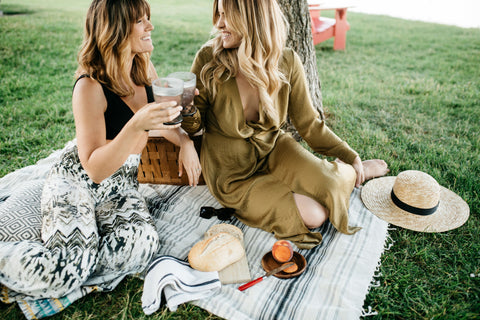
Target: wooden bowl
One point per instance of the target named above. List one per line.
(269, 263)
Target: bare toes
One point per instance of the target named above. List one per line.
(375, 168)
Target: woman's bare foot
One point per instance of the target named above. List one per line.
(368, 169)
(374, 168)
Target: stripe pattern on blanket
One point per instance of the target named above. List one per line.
(334, 284)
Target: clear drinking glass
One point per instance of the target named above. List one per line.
(190, 83)
(169, 89)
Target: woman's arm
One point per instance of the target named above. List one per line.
(306, 118)
(99, 157)
(187, 157)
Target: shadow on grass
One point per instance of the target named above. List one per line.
(323, 48)
(12, 10)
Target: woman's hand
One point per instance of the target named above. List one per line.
(188, 158)
(153, 116)
(358, 166)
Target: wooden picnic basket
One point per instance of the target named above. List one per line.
(159, 162)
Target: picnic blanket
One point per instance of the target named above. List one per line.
(338, 276)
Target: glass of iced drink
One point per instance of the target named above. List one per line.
(190, 82)
(169, 89)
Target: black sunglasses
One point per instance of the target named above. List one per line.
(222, 213)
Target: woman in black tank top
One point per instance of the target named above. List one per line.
(96, 225)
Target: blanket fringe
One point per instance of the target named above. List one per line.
(389, 242)
(375, 283)
(369, 312)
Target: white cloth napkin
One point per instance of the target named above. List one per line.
(178, 282)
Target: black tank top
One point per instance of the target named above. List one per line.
(118, 113)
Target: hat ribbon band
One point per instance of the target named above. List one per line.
(419, 211)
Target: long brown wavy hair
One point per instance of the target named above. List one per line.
(105, 54)
(263, 29)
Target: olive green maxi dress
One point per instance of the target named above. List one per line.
(255, 167)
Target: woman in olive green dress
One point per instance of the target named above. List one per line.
(249, 83)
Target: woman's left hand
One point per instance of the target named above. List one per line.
(358, 166)
(188, 158)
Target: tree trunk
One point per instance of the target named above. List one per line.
(300, 39)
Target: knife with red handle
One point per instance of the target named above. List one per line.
(276, 270)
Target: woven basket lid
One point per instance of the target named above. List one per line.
(414, 200)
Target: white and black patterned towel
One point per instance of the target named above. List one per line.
(178, 282)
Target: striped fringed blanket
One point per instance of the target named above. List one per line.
(334, 285)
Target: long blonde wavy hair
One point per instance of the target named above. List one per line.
(106, 54)
(263, 29)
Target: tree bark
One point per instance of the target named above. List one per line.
(300, 39)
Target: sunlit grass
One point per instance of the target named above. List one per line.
(407, 92)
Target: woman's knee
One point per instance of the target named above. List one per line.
(72, 275)
(134, 246)
(146, 244)
(312, 212)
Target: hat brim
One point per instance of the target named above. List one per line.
(451, 213)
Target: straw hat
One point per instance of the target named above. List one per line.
(414, 200)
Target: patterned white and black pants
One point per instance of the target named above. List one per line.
(92, 234)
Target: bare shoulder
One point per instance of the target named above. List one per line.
(88, 93)
(87, 85)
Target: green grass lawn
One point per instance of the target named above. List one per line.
(407, 92)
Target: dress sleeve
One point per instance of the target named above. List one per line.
(306, 118)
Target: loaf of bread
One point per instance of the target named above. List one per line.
(216, 252)
(225, 227)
